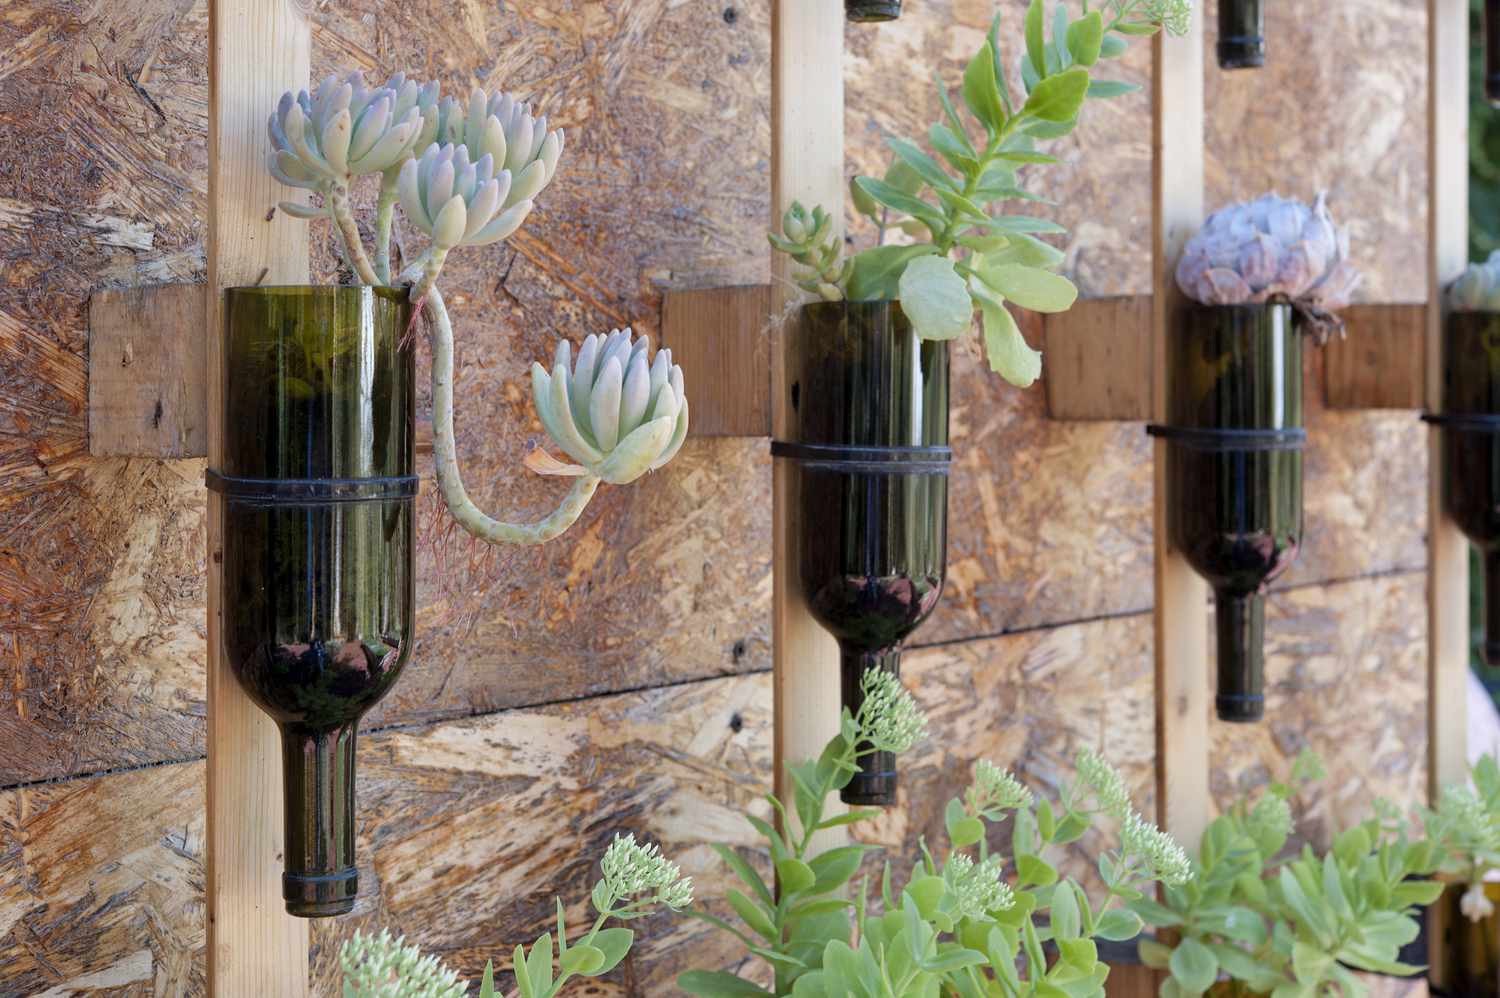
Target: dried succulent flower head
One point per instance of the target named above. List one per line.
(383, 966)
(977, 887)
(1476, 904)
(1478, 289)
(889, 717)
(1272, 248)
(633, 870)
(1163, 858)
(458, 202)
(343, 130)
(615, 411)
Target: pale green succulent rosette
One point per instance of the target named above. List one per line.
(615, 412)
(1478, 288)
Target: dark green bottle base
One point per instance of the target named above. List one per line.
(320, 896)
(1240, 709)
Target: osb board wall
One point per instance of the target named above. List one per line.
(613, 680)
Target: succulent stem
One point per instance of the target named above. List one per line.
(354, 250)
(385, 211)
(445, 450)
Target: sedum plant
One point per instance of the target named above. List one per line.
(1465, 826)
(467, 173)
(959, 926)
(1272, 249)
(965, 255)
(635, 879)
(1478, 288)
(1290, 926)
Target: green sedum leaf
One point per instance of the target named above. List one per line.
(1194, 965)
(1031, 287)
(717, 984)
(982, 92)
(1015, 361)
(1086, 38)
(935, 298)
(1059, 98)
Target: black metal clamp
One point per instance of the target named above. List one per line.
(310, 491)
(867, 460)
(1210, 439)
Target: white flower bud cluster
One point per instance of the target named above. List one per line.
(890, 718)
(976, 887)
(383, 966)
(995, 789)
(631, 869)
(1106, 783)
(1164, 859)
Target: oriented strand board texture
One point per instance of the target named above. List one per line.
(655, 610)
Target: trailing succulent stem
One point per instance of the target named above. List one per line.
(468, 174)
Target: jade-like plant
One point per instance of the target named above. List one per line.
(1268, 250)
(1478, 288)
(1296, 925)
(468, 174)
(1465, 826)
(635, 879)
(968, 256)
(958, 926)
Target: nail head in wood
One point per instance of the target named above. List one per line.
(721, 338)
(1097, 360)
(147, 390)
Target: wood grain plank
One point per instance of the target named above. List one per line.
(1182, 695)
(257, 50)
(1448, 550)
(807, 165)
(721, 338)
(1381, 363)
(148, 393)
(1098, 360)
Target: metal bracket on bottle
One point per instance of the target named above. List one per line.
(867, 460)
(1464, 422)
(1209, 439)
(310, 491)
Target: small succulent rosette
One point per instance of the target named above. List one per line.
(1273, 249)
(1478, 288)
(615, 411)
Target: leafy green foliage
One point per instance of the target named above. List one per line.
(636, 879)
(1296, 925)
(957, 928)
(1465, 828)
(945, 199)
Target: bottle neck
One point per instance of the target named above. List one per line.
(320, 878)
(1241, 624)
(875, 783)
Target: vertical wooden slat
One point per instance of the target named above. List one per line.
(807, 165)
(257, 50)
(1448, 552)
(1181, 596)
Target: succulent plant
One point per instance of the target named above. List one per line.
(614, 411)
(964, 256)
(1272, 248)
(482, 164)
(1478, 288)
(456, 202)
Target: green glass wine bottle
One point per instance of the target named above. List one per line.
(1471, 447)
(869, 437)
(317, 484)
(1234, 474)
(872, 10)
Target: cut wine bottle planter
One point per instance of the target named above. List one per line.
(1471, 447)
(1492, 52)
(1242, 34)
(1234, 473)
(1469, 962)
(318, 486)
(872, 10)
(869, 432)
